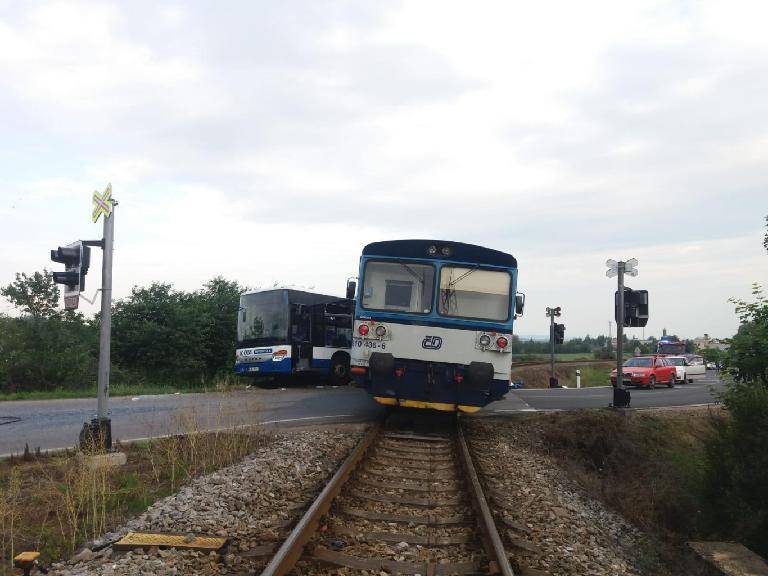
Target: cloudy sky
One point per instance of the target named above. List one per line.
(269, 141)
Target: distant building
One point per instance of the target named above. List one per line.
(707, 343)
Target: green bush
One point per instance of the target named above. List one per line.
(736, 490)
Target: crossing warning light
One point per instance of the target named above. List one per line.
(559, 333)
(76, 258)
(635, 307)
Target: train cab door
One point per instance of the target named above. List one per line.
(301, 331)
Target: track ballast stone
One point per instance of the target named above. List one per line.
(247, 502)
(551, 524)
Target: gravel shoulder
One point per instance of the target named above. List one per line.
(551, 524)
(250, 503)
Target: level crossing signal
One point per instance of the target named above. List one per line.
(76, 258)
(635, 307)
(559, 333)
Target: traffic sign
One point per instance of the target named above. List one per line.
(102, 203)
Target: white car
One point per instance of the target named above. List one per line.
(696, 366)
(681, 367)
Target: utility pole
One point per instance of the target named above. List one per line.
(551, 348)
(98, 433)
(610, 336)
(106, 328)
(551, 313)
(620, 395)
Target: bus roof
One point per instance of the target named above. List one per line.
(298, 296)
(457, 252)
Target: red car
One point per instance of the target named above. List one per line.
(647, 371)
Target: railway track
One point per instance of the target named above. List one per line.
(406, 501)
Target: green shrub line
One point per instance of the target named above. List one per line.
(162, 339)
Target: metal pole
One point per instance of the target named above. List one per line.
(106, 329)
(552, 347)
(620, 330)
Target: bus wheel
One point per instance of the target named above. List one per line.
(339, 373)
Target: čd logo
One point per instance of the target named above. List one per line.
(432, 342)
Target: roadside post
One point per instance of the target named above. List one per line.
(551, 313)
(104, 204)
(578, 378)
(76, 257)
(621, 396)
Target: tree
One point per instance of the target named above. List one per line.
(45, 348)
(747, 356)
(735, 500)
(37, 295)
(765, 239)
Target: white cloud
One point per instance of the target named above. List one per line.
(268, 143)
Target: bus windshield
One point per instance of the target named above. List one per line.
(264, 318)
(474, 293)
(398, 286)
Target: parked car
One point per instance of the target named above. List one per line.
(696, 366)
(681, 365)
(647, 371)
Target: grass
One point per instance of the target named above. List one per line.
(54, 504)
(117, 390)
(650, 467)
(566, 357)
(594, 376)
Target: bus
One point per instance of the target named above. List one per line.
(433, 324)
(283, 332)
(670, 348)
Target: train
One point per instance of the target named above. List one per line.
(433, 324)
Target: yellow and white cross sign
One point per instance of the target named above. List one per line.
(102, 203)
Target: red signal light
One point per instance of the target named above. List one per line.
(502, 342)
(363, 329)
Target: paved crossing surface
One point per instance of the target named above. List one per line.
(52, 424)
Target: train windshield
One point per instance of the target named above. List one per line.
(264, 318)
(474, 293)
(398, 286)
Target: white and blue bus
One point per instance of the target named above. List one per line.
(433, 324)
(283, 332)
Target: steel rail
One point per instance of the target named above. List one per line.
(491, 539)
(290, 551)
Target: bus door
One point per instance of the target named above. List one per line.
(301, 345)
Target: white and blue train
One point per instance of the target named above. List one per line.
(433, 324)
(283, 332)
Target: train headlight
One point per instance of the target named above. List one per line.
(381, 331)
(432, 250)
(363, 329)
(485, 340)
(502, 342)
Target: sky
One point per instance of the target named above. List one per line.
(268, 142)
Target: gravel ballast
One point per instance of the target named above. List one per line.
(250, 503)
(548, 522)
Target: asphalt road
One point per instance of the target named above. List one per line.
(700, 391)
(52, 424)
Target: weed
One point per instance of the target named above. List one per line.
(56, 503)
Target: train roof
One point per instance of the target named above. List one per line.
(457, 251)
